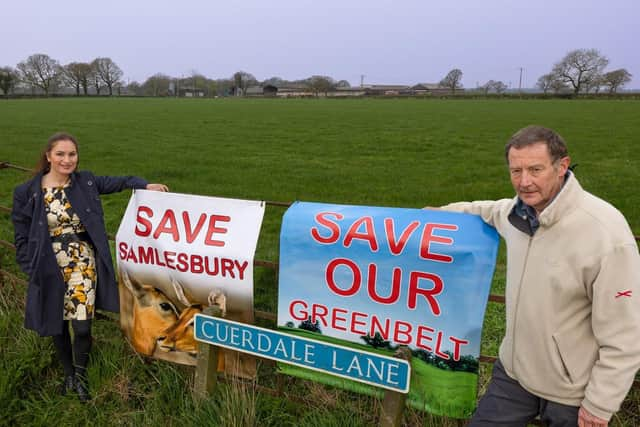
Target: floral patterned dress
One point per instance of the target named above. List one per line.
(74, 254)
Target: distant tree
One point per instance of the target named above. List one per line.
(545, 81)
(493, 86)
(182, 84)
(308, 325)
(241, 81)
(452, 80)
(200, 82)
(499, 87)
(579, 67)
(551, 82)
(157, 85)
(41, 71)
(485, 88)
(616, 79)
(274, 81)
(119, 85)
(8, 79)
(134, 88)
(94, 78)
(321, 84)
(343, 84)
(559, 86)
(77, 75)
(108, 72)
(594, 84)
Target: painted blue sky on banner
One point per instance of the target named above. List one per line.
(314, 271)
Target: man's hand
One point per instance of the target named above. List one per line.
(587, 419)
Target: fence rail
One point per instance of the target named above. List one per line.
(5, 165)
(260, 314)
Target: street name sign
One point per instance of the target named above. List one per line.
(369, 368)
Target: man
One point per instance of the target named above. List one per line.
(572, 342)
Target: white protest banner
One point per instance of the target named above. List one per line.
(176, 254)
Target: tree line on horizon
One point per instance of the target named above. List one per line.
(102, 76)
(579, 71)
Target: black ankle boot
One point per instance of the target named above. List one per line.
(68, 385)
(82, 389)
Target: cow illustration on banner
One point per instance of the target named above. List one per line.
(375, 278)
(176, 255)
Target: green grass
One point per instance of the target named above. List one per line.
(445, 392)
(406, 152)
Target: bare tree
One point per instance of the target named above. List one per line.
(8, 79)
(241, 81)
(594, 84)
(493, 85)
(551, 82)
(94, 78)
(616, 79)
(580, 67)
(41, 71)
(108, 72)
(545, 82)
(452, 80)
(77, 75)
(485, 88)
(321, 84)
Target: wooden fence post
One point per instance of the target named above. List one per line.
(206, 376)
(393, 401)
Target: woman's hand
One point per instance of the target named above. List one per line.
(157, 187)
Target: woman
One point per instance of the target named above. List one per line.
(62, 245)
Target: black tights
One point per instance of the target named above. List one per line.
(80, 349)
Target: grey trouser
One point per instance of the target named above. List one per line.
(507, 404)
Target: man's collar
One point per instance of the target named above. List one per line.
(528, 214)
(560, 204)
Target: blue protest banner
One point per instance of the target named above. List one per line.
(366, 367)
(377, 278)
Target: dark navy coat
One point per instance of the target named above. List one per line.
(34, 252)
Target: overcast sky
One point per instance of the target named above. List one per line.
(389, 42)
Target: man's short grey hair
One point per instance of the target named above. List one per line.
(535, 134)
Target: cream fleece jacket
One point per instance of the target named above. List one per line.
(572, 300)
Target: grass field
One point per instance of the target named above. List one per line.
(405, 152)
